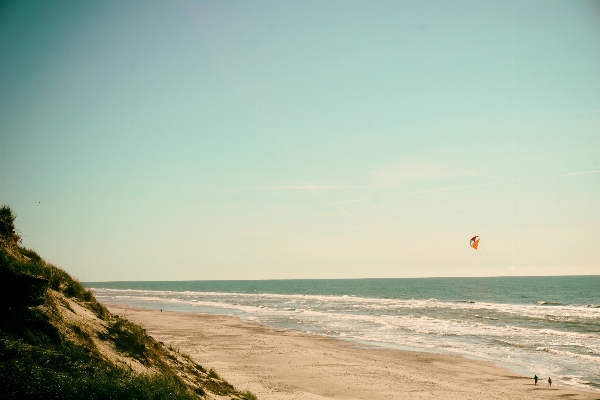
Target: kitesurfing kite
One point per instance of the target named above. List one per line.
(475, 242)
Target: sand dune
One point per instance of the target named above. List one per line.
(286, 365)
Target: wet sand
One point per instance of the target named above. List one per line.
(285, 365)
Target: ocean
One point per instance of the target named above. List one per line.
(549, 326)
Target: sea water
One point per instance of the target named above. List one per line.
(549, 326)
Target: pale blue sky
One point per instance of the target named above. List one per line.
(303, 139)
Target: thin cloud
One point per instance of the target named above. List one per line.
(575, 173)
(309, 187)
(416, 169)
(312, 187)
(422, 173)
(337, 203)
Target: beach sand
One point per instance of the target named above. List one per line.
(285, 365)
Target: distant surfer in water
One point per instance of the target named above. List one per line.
(549, 381)
(535, 379)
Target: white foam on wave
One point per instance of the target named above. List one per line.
(416, 324)
(531, 311)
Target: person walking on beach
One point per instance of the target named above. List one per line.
(535, 379)
(549, 381)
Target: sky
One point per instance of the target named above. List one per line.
(200, 140)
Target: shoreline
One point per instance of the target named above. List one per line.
(284, 365)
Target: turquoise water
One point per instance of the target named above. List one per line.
(544, 325)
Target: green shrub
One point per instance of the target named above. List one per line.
(32, 255)
(213, 374)
(129, 338)
(8, 232)
(248, 395)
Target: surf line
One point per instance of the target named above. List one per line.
(335, 203)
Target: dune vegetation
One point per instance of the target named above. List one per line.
(58, 342)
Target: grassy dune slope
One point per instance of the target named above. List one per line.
(57, 341)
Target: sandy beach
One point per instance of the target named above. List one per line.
(286, 365)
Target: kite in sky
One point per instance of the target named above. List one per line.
(475, 242)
